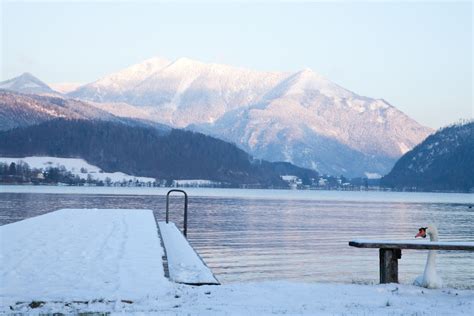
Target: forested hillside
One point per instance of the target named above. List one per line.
(444, 162)
(143, 151)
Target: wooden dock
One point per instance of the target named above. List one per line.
(91, 253)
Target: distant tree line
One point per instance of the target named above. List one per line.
(20, 172)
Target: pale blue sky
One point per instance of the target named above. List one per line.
(417, 56)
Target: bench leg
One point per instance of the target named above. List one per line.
(389, 265)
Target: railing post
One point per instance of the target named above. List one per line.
(185, 220)
(389, 264)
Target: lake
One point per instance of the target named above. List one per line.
(253, 235)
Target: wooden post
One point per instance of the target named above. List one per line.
(389, 265)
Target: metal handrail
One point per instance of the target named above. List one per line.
(185, 221)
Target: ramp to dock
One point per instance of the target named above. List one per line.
(184, 264)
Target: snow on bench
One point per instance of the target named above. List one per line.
(413, 244)
(184, 264)
(82, 254)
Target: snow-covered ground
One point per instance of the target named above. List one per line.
(73, 261)
(76, 166)
(269, 298)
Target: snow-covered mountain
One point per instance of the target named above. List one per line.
(312, 122)
(182, 92)
(27, 83)
(118, 86)
(299, 117)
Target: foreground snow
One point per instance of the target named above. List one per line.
(73, 261)
(274, 298)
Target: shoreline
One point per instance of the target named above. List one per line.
(273, 194)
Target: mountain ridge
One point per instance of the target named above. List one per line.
(21, 109)
(269, 114)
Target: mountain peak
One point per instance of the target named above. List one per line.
(27, 75)
(304, 81)
(27, 83)
(184, 62)
(123, 79)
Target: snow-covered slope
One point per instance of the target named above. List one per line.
(76, 166)
(117, 86)
(27, 83)
(182, 92)
(314, 123)
(20, 110)
(17, 109)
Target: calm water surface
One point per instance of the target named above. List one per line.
(248, 235)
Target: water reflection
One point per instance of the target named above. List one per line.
(263, 239)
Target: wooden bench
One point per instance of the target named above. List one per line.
(391, 251)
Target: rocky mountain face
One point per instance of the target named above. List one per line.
(298, 117)
(444, 161)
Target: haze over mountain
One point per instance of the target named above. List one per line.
(65, 87)
(298, 117)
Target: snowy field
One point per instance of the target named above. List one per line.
(75, 165)
(73, 261)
